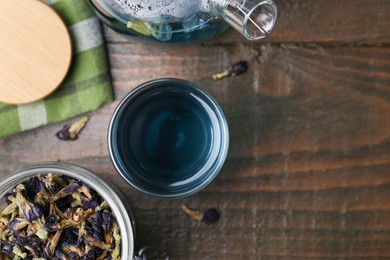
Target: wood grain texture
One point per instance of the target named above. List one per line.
(330, 21)
(308, 170)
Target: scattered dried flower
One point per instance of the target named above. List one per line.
(71, 132)
(237, 68)
(208, 217)
(57, 217)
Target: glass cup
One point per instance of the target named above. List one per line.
(168, 138)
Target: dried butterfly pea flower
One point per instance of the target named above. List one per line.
(26, 209)
(18, 223)
(32, 251)
(68, 190)
(89, 203)
(51, 185)
(71, 132)
(236, 68)
(51, 223)
(208, 217)
(60, 256)
(52, 244)
(57, 218)
(6, 248)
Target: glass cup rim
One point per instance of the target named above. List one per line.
(224, 137)
(122, 215)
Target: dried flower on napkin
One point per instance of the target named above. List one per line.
(237, 68)
(57, 217)
(70, 132)
(208, 217)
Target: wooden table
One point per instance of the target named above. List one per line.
(308, 170)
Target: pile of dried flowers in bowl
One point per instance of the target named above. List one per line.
(55, 216)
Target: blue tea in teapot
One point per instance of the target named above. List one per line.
(184, 20)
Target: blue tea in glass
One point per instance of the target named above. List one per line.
(168, 138)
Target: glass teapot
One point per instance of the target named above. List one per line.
(187, 20)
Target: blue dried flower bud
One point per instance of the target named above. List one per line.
(238, 68)
(89, 203)
(70, 132)
(50, 184)
(64, 203)
(20, 241)
(93, 235)
(6, 248)
(64, 134)
(33, 185)
(17, 223)
(30, 211)
(32, 248)
(65, 191)
(60, 256)
(235, 69)
(92, 253)
(70, 236)
(106, 216)
(210, 216)
(73, 256)
(51, 223)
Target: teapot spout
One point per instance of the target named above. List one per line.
(252, 18)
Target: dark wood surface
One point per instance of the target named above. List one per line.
(308, 170)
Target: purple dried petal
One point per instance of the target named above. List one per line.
(32, 251)
(21, 241)
(6, 248)
(70, 237)
(70, 132)
(51, 223)
(238, 68)
(17, 223)
(33, 245)
(93, 253)
(50, 184)
(90, 193)
(92, 204)
(106, 216)
(32, 213)
(64, 203)
(71, 188)
(60, 256)
(73, 256)
(93, 235)
(33, 185)
(64, 134)
(97, 221)
(66, 191)
(210, 216)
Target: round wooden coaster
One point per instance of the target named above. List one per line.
(35, 51)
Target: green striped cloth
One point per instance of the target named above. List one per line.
(87, 85)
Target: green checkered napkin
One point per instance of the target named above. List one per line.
(87, 85)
